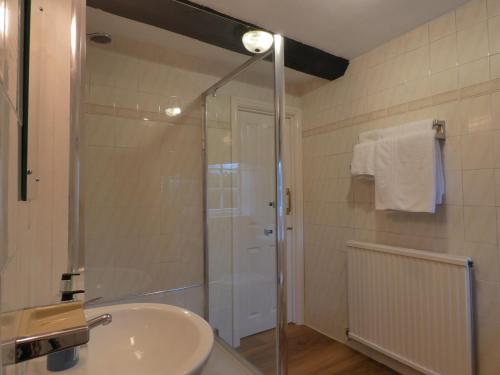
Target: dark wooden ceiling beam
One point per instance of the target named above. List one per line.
(204, 24)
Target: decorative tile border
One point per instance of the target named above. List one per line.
(191, 116)
(485, 88)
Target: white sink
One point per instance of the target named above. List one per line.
(143, 338)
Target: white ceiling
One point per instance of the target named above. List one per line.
(190, 53)
(345, 28)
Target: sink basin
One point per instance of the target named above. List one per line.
(144, 338)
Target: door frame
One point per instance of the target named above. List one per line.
(296, 267)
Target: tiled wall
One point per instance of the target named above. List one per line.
(142, 177)
(142, 170)
(447, 69)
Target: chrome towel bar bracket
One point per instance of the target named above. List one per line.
(440, 127)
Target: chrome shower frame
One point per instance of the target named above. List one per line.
(277, 51)
(76, 254)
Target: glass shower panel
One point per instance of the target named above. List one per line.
(241, 215)
(142, 177)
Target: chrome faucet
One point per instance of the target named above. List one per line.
(101, 320)
(40, 331)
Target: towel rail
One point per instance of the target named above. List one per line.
(439, 126)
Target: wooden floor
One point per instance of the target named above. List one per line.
(310, 353)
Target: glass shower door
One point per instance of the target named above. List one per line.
(241, 180)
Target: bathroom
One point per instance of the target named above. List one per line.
(230, 187)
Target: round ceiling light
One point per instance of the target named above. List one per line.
(257, 41)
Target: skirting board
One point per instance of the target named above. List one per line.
(370, 353)
(382, 358)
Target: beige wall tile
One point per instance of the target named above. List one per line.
(472, 42)
(395, 47)
(474, 72)
(451, 150)
(100, 130)
(454, 191)
(495, 66)
(376, 56)
(416, 38)
(364, 216)
(479, 187)
(476, 114)
(444, 81)
(418, 89)
(486, 261)
(494, 34)
(493, 8)
(480, 224)
(496, 147)
(417, 63)
(442, 26)
(444, 53)
(497, 187)
(477, 151)
(487, 300)
(495, 109)
(450, 223)
(470, 13)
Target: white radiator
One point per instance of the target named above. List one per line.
(413, 306)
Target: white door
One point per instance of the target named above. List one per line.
(254, 226)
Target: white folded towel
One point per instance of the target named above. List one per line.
(370, 136)
(408, 171)
(407, 164)
(363, 159)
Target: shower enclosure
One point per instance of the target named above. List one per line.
(244, 217)
(181, 182)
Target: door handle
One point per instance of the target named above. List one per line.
(288, 194)
(267, 232)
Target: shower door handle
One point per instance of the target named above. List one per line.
(268, 232)
(288, 194)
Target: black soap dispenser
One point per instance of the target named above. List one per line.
(68, 358)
